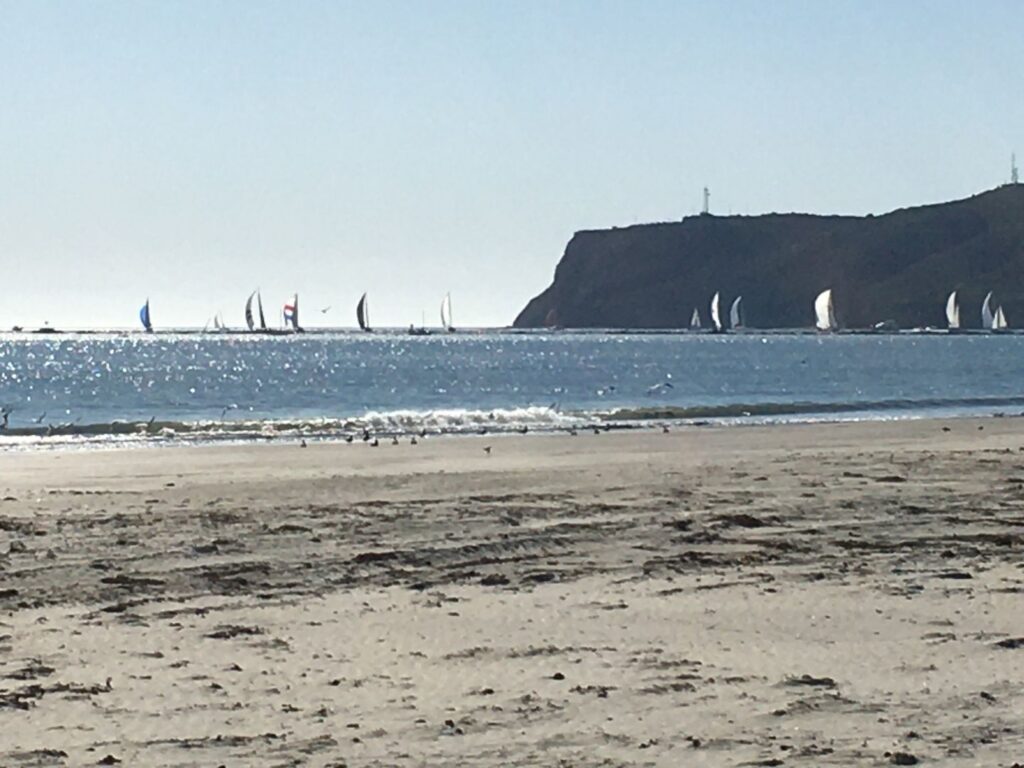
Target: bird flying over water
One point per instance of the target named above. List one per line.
(658, 388)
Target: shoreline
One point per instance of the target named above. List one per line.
(138, 435)
(807, 593)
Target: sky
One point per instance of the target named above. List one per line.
(192, 151)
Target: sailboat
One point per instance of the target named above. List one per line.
(695, 320)
(953, 312)
(144, 317)
(987, 318)
(250, 321)
(736, 313)
(363, 313)
(446, 313)
(999, 321)
(290, 312)
(716, 320)
(824, 312)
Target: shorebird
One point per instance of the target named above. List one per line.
(394, 439)
(374, 443)
(413, 440)
(487, 450)
(348, 438)
(366, 435)
(302, 443)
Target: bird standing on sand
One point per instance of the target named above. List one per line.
(374, 443)
(487, 450)
(413, 440)
(394, 439)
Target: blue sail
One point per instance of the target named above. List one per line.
(144, 316)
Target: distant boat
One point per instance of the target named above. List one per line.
(363, 313)
(999, 321)
(824, 312)
(716, 320)
(695, 320)
(953, 312)
(736, 313)
(446, 313)
(290, 312)
(144, 317)
(988, 320)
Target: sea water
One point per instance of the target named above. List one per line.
(97, 387)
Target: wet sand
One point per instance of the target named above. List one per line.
(801, 595)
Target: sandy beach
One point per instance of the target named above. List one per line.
(831, 594)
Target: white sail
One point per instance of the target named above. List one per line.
(953, 311)
(999, 321)
(987, 318)
(446, 313)
(824, 314)
(716, 319)
(695, 319)
(248, 311)
(363, 313)
(736, 313)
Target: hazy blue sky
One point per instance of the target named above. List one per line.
(192, 151)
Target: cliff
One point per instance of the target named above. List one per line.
(898, 266)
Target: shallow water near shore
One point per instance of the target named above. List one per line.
(99, 387)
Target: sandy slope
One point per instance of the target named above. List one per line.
(806, 595)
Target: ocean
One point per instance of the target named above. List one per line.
(101, 388)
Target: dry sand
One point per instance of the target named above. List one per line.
(801, 596)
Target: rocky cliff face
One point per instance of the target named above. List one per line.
(899, 266)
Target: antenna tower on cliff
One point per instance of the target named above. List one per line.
(1014, 175)
(707, 203)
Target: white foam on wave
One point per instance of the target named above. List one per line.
(455, 420)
